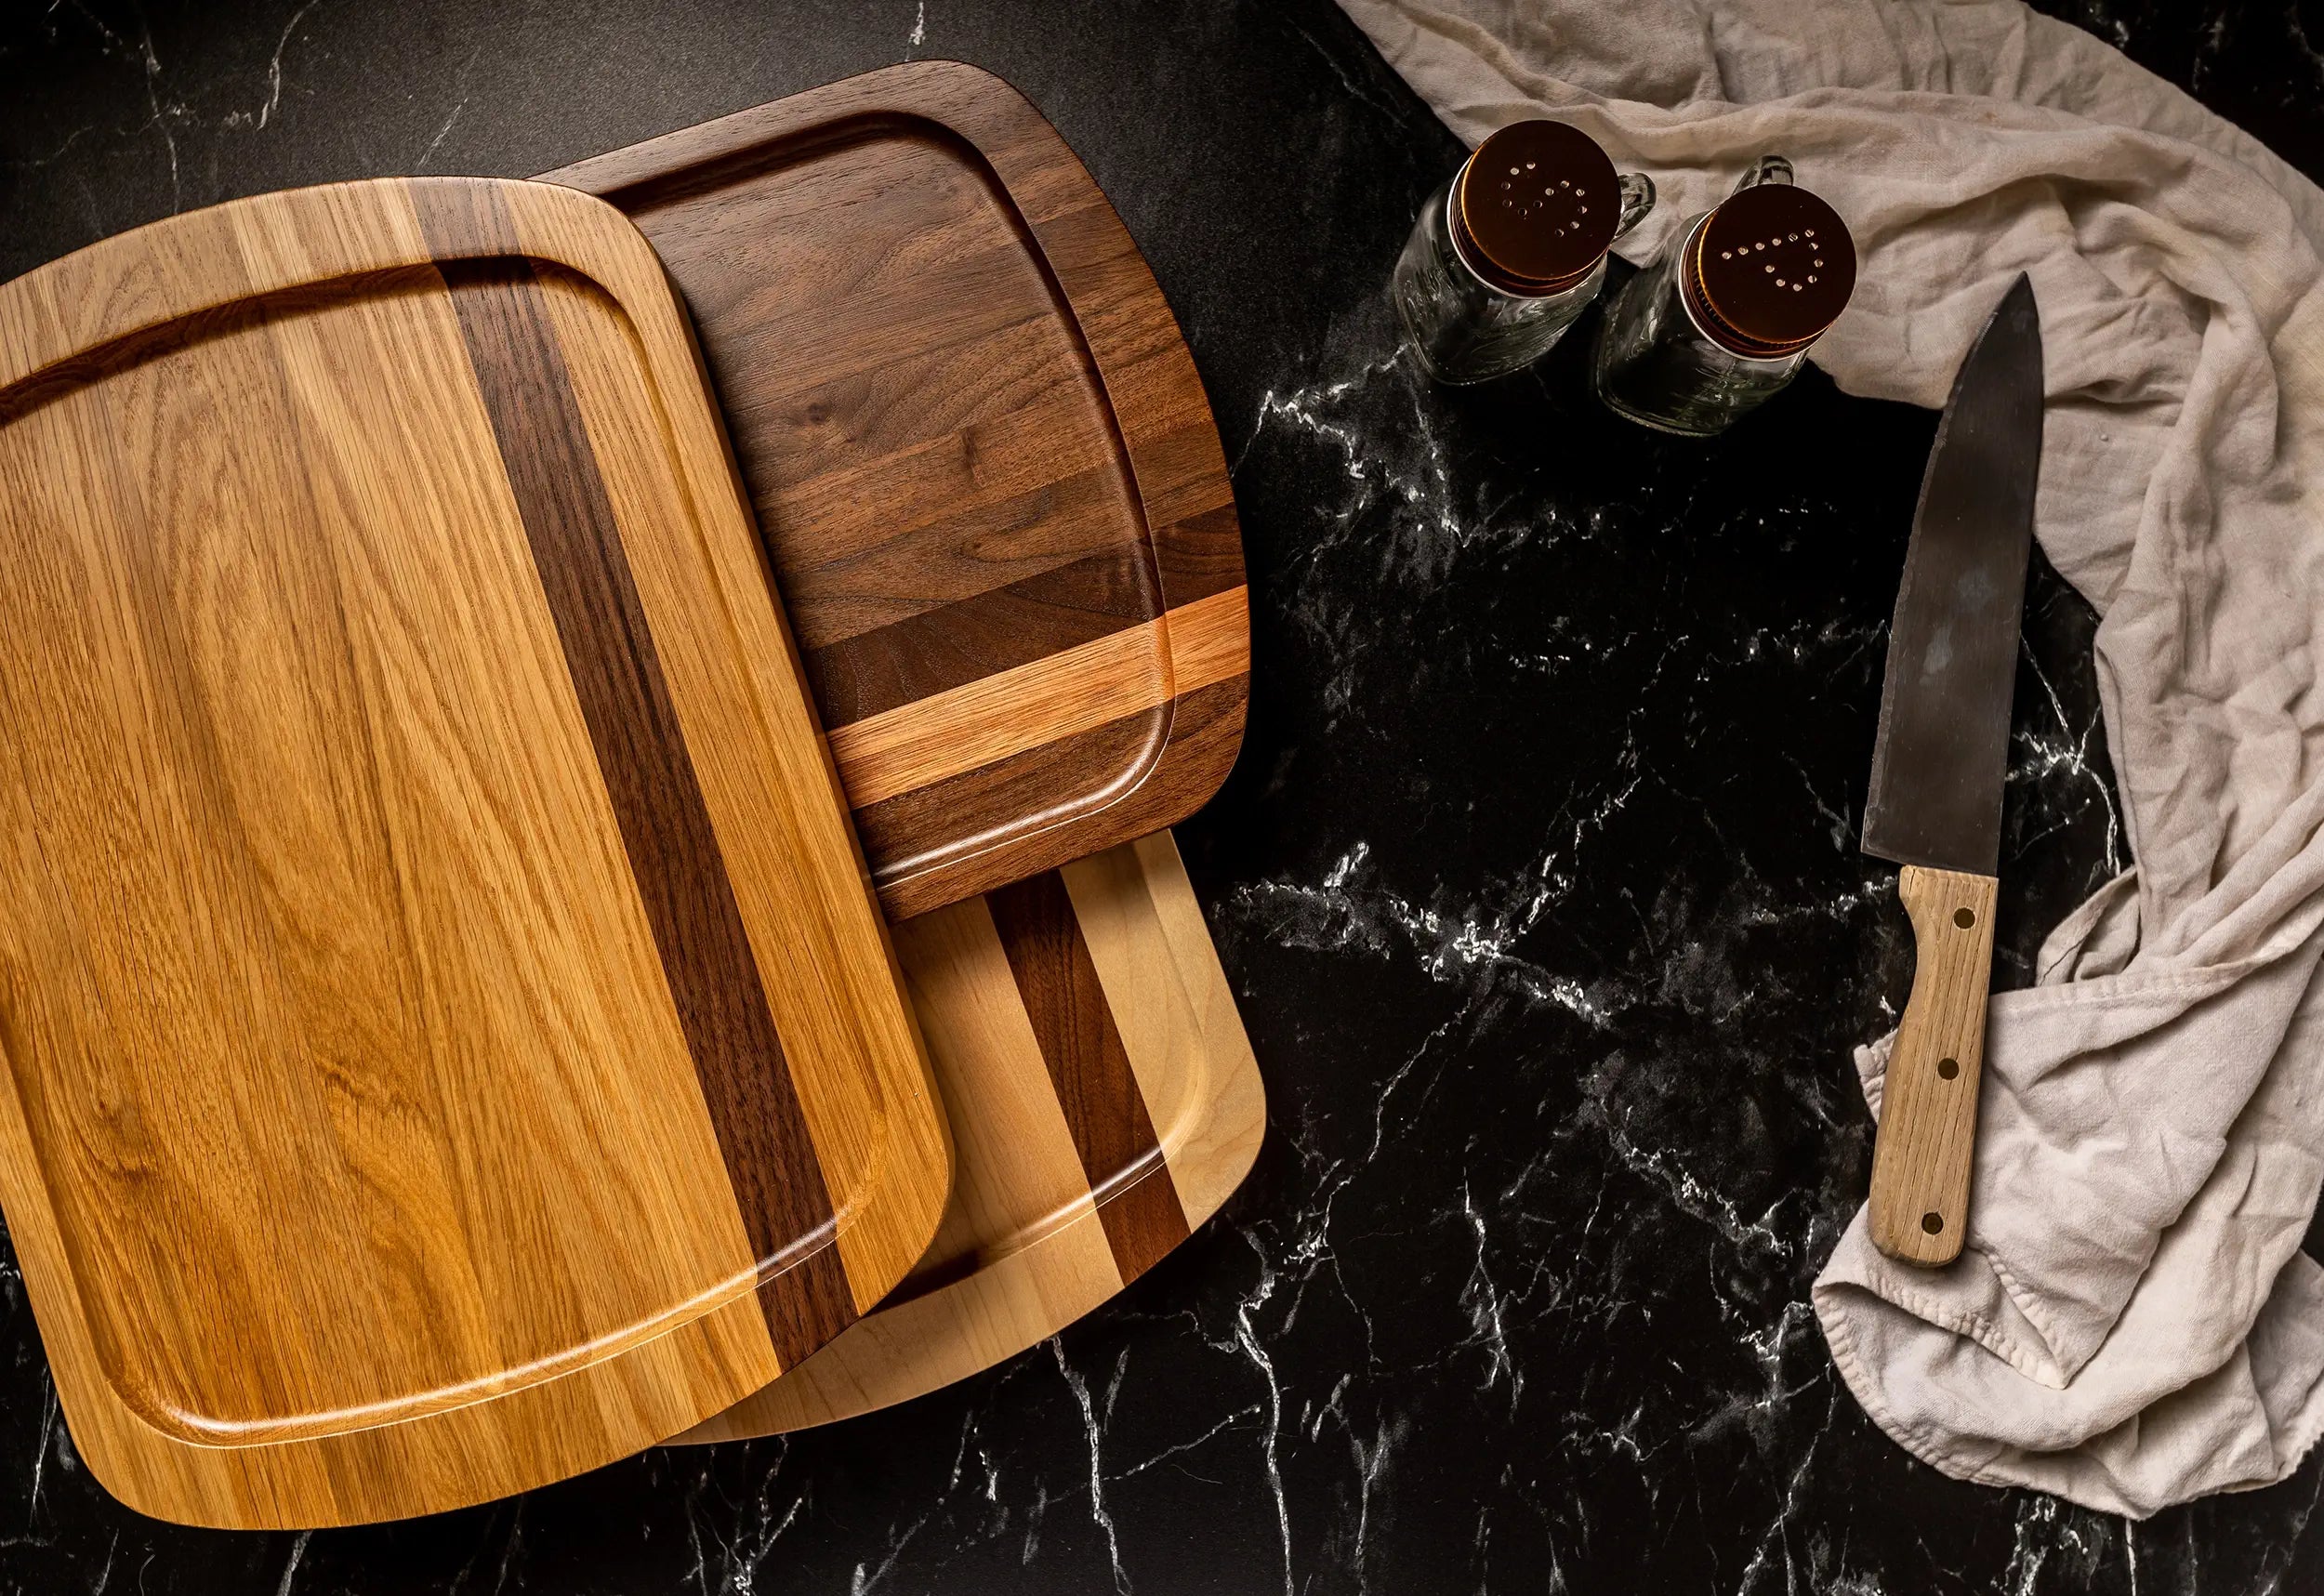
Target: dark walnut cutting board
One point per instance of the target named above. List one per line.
(451, 1041)
(981, 460)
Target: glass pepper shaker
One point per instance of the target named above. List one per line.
(1511, 249)
(1721, 320)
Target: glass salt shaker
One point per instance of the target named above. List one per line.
(1721, 320)
(1511, 249)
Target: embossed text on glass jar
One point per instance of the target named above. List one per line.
(1511, 249)
(1722, 320)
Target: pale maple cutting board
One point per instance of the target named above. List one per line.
(1103, 1101)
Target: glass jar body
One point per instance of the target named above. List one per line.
(1655, 364)
(1462, 328)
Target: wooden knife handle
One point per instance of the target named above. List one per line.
(1929, 1104)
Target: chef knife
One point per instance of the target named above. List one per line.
(1935, 806)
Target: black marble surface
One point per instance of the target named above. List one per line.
(1537, 880)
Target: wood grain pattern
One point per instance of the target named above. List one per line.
(1154, 955)
(625, 701)
(1104, 1111)
(989, 801)
(1119, 678)
(976, 444)
(452, 1043)
(1028, 634)
(1920, 1158)
(1075, 1175)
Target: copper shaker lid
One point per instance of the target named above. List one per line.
(1770, 270)
(1536, 207)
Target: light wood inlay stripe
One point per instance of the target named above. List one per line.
(1019, 1180)
(1154, 955)
(1079, 689)
(650, 778)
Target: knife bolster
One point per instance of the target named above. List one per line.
(1921, 1157)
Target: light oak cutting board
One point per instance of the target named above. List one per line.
(452, 1042)
(1139, 1116)
(980, 459)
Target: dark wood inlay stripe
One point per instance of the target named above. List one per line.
(858, 551)
(649, 774)
(950, 645)
(970, 639)
(1137, 1202)
(1200, 554)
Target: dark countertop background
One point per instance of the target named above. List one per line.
(1537, 880)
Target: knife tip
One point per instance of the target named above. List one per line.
(2020, 301)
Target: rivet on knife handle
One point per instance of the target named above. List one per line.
(1929, 1105)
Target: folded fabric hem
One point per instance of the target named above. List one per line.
(2128, 987)
(2052, 1366)
(2302, 1445)
(2043, 1367)
(2037, 1314)
(1923, 1445)
(1839, 1336)
(2304, 1433)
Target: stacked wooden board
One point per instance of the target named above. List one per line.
(453, 1039)
(996, 507)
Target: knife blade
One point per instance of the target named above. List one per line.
(1938, 763)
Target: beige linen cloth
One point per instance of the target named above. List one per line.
(2133, 1323)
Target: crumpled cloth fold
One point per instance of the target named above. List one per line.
(2132, 1322)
